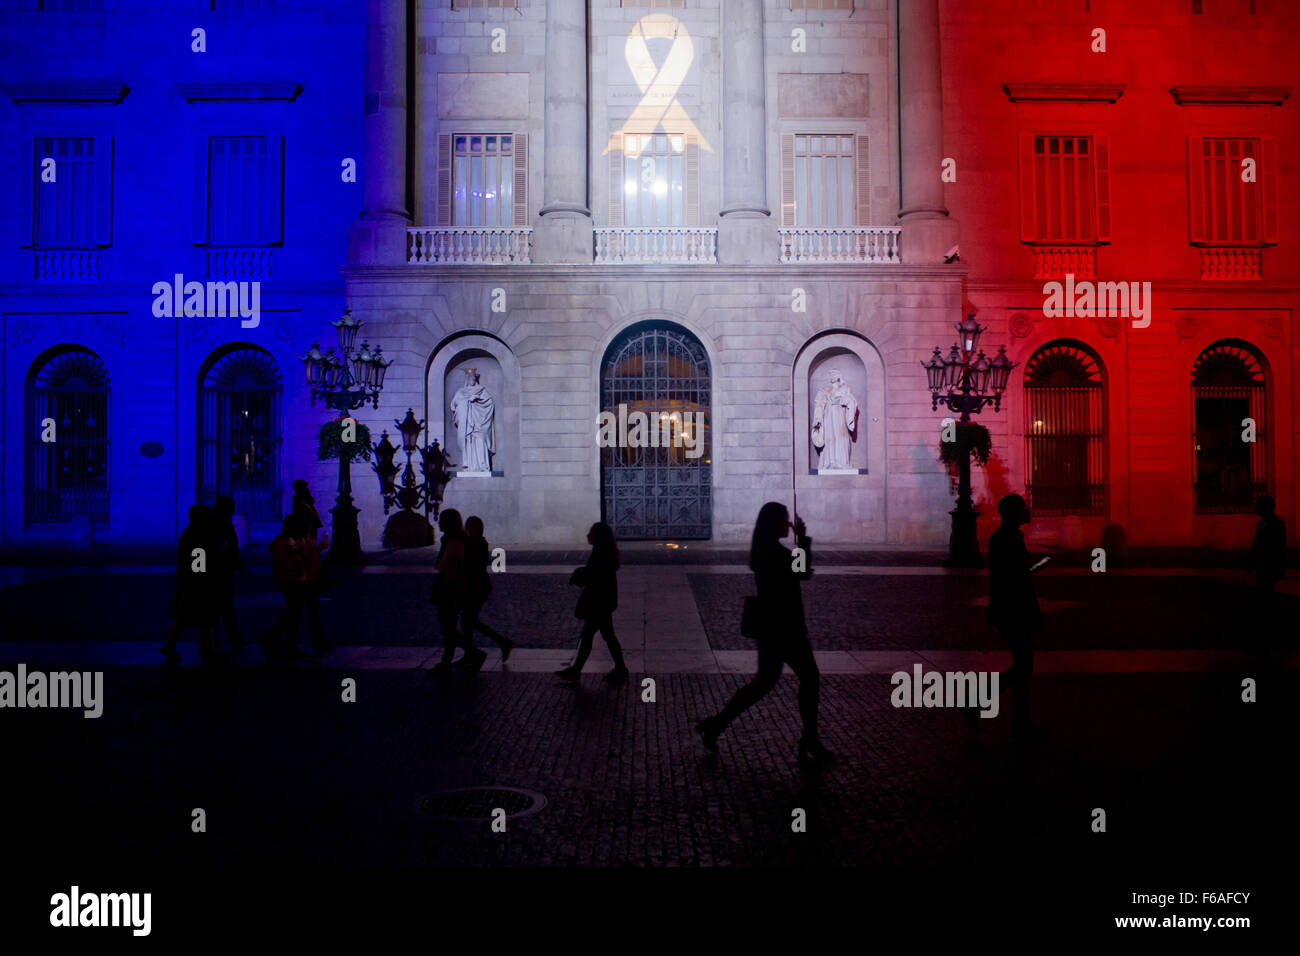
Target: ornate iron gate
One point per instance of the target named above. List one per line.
(1064, 430)
(1227, 388)
(661, 371)
(69, 475)
(239, 434)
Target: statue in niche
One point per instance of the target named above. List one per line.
(472, 412)
(835, 424)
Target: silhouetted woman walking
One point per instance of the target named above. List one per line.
(597, 603)
(782, 635)
(478, 585)
(449, 592)
(197, 589)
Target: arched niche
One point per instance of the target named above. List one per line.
(498, 371)
(848, 368)
(851, 506)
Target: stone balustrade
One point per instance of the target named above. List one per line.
(840, 244)
(686, 244)
(469, 245)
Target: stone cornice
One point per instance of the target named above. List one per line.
(92, 91)
(1063, 92)
(233, 92)
(1230, 95)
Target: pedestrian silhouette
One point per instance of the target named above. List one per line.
(781, 632)
(226, 563)
(295, 567)
(195, 603)
(450, 588)
(478, 585)
(1268, 560)
(303, 501)
(598, 579)
(1014, 611)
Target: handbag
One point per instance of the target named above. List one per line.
(751, 618)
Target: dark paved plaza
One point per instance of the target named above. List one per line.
(1138, 684)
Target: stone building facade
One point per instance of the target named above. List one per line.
(674, 249)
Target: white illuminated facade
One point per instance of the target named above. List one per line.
(690, 210)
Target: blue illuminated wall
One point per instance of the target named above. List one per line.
(124, 76)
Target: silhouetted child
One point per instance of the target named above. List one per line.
(227, 562)
(783, 633)
(478, 585)
(295, 564)
(597, 603)
(195, 603)
(450, 587)
(1013, 610)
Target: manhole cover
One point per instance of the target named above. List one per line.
(478, 803)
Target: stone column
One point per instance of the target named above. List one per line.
(564, 229)
(378, 237)
(927, 231)
(746, 232)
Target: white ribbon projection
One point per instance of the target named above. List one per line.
(659, 84)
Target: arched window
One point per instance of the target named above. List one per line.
(1064, 431)
(239, 432)
(67, 476)
(1227, 391)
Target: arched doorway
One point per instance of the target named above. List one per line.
(239, 431)
(67, 460)
(656, 460)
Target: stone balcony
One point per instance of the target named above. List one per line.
(469, 246)
(656, 244)
(840, 244)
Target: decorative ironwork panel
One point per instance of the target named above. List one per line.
(1229, 472)
(658, 482)
(239, 434)
(1064, 432)
(68, 477)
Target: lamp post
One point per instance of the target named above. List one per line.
(345, 382)
(406, 528)
(966, 382)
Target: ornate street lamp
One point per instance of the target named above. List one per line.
(966, 381)
(407, 528)
(345, 382)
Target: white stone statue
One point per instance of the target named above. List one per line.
(835, 424)
(472, 412)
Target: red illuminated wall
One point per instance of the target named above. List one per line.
(1151, 47)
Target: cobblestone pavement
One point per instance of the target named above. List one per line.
(286, 771)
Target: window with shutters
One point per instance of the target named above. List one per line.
(483, 180)
(1232, 190)
(238, 190)
(243, 191)
(654, 179)
(825, 180)
(1065, 189)
(72, 195)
